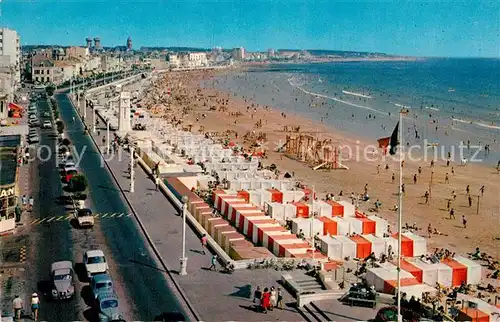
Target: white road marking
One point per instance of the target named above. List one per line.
(51, 218)
(35, 222)
(105, 215)
(112, 215)
(43, 219)
(121, 215)
(61, 218)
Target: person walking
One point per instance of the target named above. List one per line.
(482, 191)
(470, 201)
(35, 306)
(429, 230)
(257, 295)
(18, 306)
(414, 179)
(24, 200)
(464, 221)
(467, 189)
(213, 266)
(393, 178)
(426, 196)
(446, 178)
(266, 300)
(31, 202)
(203, 243)
(273, 298)
(157, 182)
(419, 170)
(280, 303)
(453, 195)
(452, 213)
(403, 189)
(448, 205)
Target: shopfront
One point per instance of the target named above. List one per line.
(9, 145)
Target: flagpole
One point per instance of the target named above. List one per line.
(400, 213)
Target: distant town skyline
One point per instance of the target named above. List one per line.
(413, 28)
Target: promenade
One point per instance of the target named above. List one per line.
(215, 296)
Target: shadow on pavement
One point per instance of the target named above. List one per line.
(170, 316)
(81, 273)
(86, 294)
(91, 315)
(45, 288)
(147, 265)
(243, 292)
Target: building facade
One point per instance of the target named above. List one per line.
(10, 47)
(238, 53)
(43, 71)
(82, 53)
(9, 145)
(188, 60)
(110, 63)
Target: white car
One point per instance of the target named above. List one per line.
(84, 217)
(47, 124)
(95, 263)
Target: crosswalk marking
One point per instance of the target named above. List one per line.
(105, 215)
(43, 219)
(35, 221)
(51, 218)
(68, 217)
(96, 215)
(120, 215)
(112, 215)
(129, 215)
(61, 218)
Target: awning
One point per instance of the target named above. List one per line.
(15, 107)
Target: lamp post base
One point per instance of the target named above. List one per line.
(183, 270)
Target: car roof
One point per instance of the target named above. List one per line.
(62, 271)
(104, 277)
(61, 265)
(71, 169)
(47, 121)
(107, 295)
(95, 253)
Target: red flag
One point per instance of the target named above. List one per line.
(383, 143)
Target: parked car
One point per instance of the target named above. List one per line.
(95, 262)
(107, 305)
(101, 283)
(84, 217)
(34, 123)
(33, 139)
(62, 280)
(68, 173)
(46, 114)
(47, 124)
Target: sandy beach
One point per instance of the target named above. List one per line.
(244, 121)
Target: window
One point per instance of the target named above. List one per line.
(41, 71)
(1, 106)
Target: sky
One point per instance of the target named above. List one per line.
(459, 28)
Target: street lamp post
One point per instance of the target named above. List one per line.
(107, 136)
(183, 259)
(132, 169)
(93, 120)
(85, 109)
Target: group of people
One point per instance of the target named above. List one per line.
(18, 306)
(267, 299)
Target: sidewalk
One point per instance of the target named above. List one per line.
(215, 295)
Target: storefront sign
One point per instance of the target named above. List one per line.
(7, 192)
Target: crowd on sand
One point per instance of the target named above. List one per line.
(457, 202)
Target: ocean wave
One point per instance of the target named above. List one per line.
(356, 94)
(336, 99)
(488, 126)
(432, 108)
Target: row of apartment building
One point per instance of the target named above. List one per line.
(10, 65)
(61, 64)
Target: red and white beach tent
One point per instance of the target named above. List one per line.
(348, 246)
(385, 280)
(428, 273)
(331, 247)
(377, 244)
(474, 270)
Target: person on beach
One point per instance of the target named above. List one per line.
(378, 168)
(266, 300)
(213, 263)
(393, 177)
(157, 182)
(464, 221)
(446, 178)
(453, 195)
(426, 196)
(274, 298)
(280, 303)
(432, 163)
(448, 205)
(467, 189)
(414, 179)
(452, 171)
(403, 189)
(419, 170)
(452, 213)
(257, 295)
(429, 230)
(482, 191)
(470, 201)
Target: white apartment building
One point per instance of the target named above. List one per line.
(188, 60)
(110, 64)
(238, 53)
(10, 46)
(43, 71)
(94, 64)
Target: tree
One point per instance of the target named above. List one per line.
(66, 142)
(60, 127)
(77, 183)
(50, 90)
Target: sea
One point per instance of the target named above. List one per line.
(450, 102)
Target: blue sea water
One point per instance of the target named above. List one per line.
(450, 100)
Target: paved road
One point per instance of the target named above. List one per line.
(52, 242)
(143, 281)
